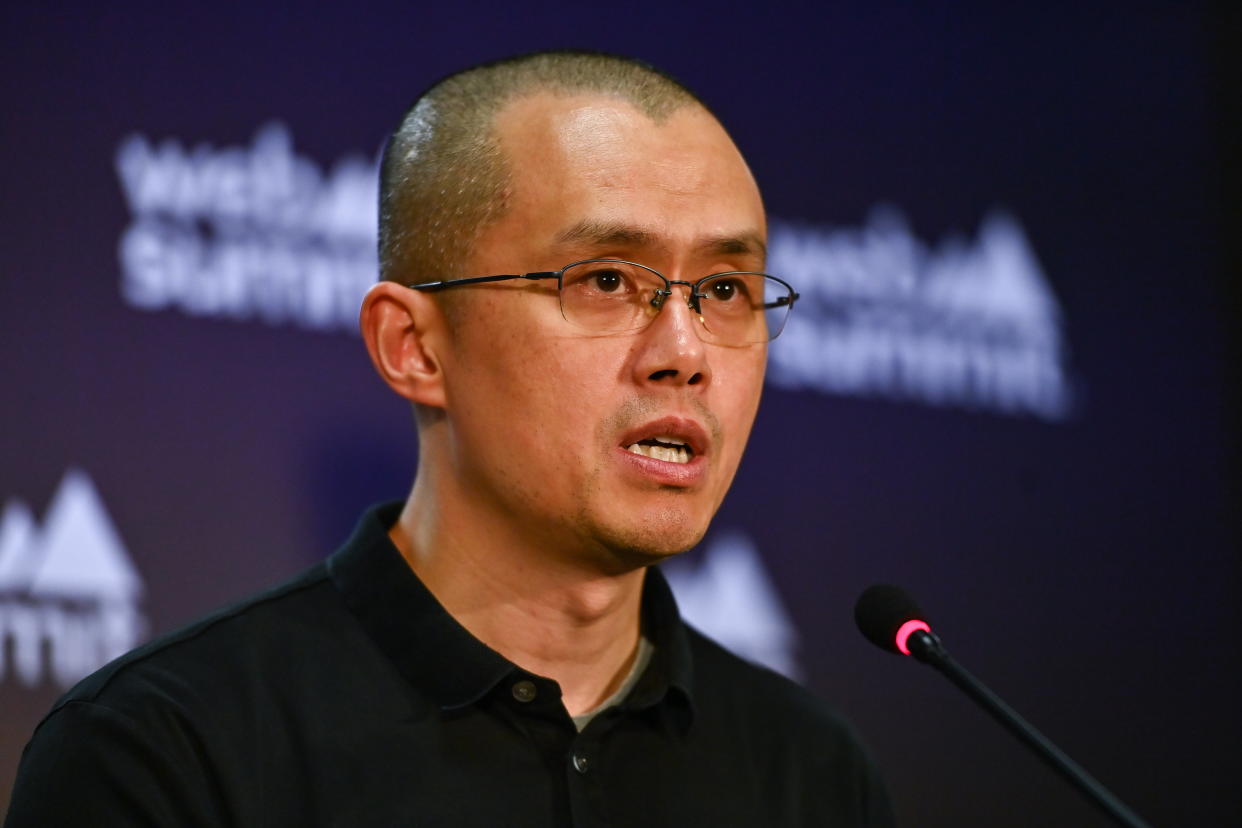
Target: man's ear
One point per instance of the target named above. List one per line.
(404, 331)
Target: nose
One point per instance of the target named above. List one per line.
(670, 350)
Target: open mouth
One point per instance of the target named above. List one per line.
(668, 449)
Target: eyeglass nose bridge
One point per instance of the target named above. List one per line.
(661, 294)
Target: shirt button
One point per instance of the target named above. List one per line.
(524, 690)
(581, 765)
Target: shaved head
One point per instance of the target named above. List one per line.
(444, 178)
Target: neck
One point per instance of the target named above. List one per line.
(551, 614)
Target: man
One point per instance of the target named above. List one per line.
(496, 651)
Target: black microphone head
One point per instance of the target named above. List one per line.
(883, 613)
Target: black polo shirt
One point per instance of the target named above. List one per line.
(349, 697)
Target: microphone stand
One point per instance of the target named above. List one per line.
(927, 648)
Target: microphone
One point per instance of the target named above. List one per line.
(891, 620)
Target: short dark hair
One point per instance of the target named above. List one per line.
(443, 177)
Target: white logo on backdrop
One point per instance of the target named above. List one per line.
(260, 232)
(245, 232)
(731, 598)
(68, 592)
(969, 323)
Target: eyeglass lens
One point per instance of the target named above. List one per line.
(612, 296)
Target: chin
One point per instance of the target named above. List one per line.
(662, 534)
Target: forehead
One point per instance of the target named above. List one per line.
(592, 158)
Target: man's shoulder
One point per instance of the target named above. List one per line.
(206, 655)
(772, 701)
(772, 724)
(169, 729)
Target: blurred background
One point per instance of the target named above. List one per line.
(1010, 385)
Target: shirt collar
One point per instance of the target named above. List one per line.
(434, 652)
(670, 674)
(427, 645)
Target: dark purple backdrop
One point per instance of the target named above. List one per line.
(1085, 567)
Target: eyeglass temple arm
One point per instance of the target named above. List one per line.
(781, 302)
(474, 280)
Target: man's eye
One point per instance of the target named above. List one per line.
(723, 290)
(607, 281)
(601, 280)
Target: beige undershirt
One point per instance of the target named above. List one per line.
(641, 659)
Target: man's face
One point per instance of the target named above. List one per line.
(542, 415)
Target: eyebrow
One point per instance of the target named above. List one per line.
(603, 234)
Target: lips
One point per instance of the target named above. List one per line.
(672, 440)
(668, 449)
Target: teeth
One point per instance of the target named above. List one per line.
(669, 454)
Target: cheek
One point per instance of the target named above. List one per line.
(578, 386)
(739, 393)
(542, 396)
